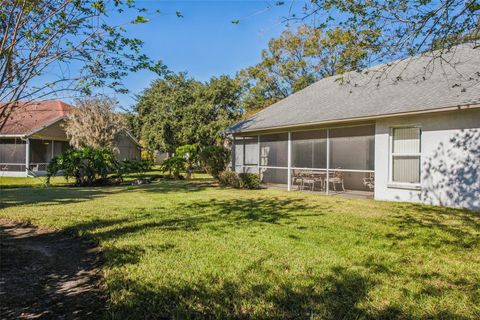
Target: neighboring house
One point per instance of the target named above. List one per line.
(33, 134)
(406, 132)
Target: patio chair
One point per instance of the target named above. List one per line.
(369, 181)
(311, 179)
(297, 177)
(336, 177)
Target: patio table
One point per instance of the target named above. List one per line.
(314, 176)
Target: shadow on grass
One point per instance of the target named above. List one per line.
(339, 294)
(335, 296)
(217, 215)
(440, 225)
(48, 275)
(13, 196)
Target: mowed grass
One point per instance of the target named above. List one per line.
(187, 249)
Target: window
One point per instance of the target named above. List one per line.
(405, 155)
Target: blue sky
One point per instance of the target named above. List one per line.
(204, 42)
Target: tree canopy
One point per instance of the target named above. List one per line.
(297, 59)
(74, 42)
(405, 27)
(178, 110)
(94, 123)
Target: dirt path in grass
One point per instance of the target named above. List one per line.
(48, 275)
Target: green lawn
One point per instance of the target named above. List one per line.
(187, 249)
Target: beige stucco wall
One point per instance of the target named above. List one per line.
(126, 148)
(55, 131)
(450, 157)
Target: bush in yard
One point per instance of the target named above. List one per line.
(189, 153)
(173, 166)
(214, 159)
(229, 179)
(86, 165)
(138, 167)
(249, 180)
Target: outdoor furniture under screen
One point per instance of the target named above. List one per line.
(336, 177)
(297, 177)
(312, 178)
(369, 181)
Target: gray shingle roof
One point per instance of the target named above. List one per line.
(419, 83)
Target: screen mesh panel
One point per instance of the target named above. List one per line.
(251, 151)
(40, 151)
(59, 147)
(274, 176)
(352, 148)
(309, 149)
(274, 150)
(238, 151)
(12, 151)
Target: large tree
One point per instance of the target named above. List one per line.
(405, 27)
(94, 123)
(297, 59)
(53, 46)
(179, 110)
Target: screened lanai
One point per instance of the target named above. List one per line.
(16, 153)
(336, 160)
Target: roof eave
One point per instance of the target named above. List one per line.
(355, 119)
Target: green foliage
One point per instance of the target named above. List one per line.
(174, 166)
(403, 27)
(88, 165)
(249, 180)
(214, 159)
(85, 165)
(138, 167)
(297, 59)
(268, 254)
(39, 34)
(178, 110)
(189, 153)
(232, 179)
(229, 178)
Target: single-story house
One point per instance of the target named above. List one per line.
(33, 134)
(407, 131)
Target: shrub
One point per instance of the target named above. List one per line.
(215, 159)
(229, 179)
(185, 159)
(86, 165)
(173, 166)
(189, 153)
(249, 180)
(138, 167)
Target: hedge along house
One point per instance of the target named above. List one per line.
(33, 134)
(409, 131)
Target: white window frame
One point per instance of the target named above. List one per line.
(391, 155)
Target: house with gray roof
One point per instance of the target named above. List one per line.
(405, 131)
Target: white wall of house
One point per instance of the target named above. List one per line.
(450, 171)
